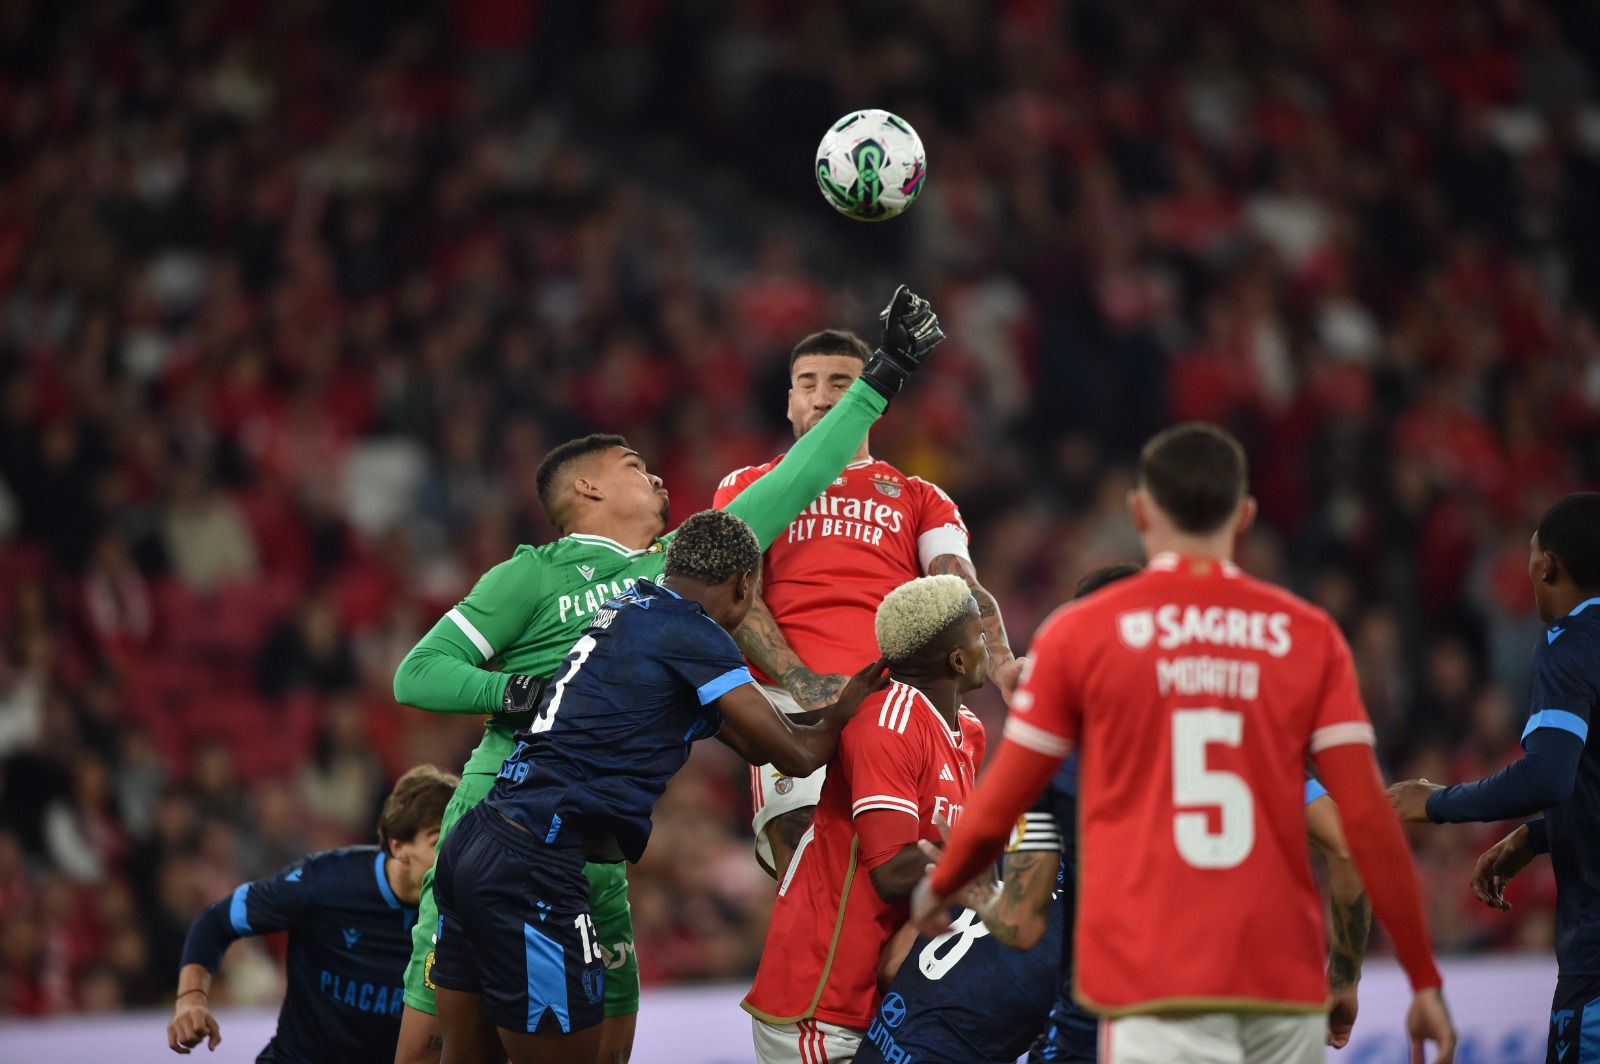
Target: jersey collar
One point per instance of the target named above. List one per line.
(1171, 561)
(603, 541)
(383, 882)
(1585, 604)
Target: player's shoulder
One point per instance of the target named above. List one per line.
(884, 715)
(970, 720)
(338, 871)
(1573, 641)
(743, 476)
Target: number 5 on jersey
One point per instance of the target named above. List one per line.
(1193, 784)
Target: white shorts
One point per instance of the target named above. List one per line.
(771, 792)
(1215, 1038)
(806, 1042)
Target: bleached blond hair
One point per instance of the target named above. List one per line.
(915, 613)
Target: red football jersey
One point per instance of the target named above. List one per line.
(1194, 694)
(873, 530)
(896, 756)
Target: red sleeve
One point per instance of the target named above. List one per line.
(1350, 773)
(734, 483)
(884, 766)
(940, 529)
(1340, 716)
(1044, 707)
(1006, 791)
(884, 834)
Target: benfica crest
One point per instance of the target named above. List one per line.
(1136, 628)
(886, 484)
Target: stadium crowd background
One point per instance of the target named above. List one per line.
(293, 297)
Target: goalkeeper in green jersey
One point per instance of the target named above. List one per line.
(526, 613)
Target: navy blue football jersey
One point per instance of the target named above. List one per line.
(349, 941)
(1565, 692)
(636, 690)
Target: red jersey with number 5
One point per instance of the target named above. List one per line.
(1194, 694)
(873, 530)
(899, 767)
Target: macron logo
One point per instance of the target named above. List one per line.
(351, 936)
(1552, 635)
(586, 571)
(946, 774)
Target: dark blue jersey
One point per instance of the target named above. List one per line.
(349, 941)
(635, 691)
(1566, 690)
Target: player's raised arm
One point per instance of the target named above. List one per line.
(764, 645)
(761, 735)
(910, 332)
(444, 672)
(1018, 913)
(1004, 668)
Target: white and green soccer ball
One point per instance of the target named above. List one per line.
(871, 166)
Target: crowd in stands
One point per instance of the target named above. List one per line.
(294, 296)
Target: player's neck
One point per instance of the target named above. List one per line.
(632, 534)
(1566, 599)
(1215, 547)
(863, 453)
(941, 693)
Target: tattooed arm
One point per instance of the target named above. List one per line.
(1003, 667)
(762, 642)
(1349, 917)
(1018, 911)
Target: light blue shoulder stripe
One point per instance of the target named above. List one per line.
(1314, 790)
(383, 882)
(711, 691)
(238, 915)
(1557, 718)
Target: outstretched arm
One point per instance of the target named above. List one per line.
(1543, 777)
(761, 735)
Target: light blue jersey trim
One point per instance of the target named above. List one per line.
(238, 915)
(1557, 718)
(1314, 790)
(383, 883)
(1585, 604)
(715, 689)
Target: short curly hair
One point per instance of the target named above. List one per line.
(914, 615)
(712, 546)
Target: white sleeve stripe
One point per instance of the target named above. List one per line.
(1036, 738)
(946, 539)
(887, 808)
(469, 630)
(880, 798)
(1349, 733)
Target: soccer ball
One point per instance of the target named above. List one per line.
(870, 165)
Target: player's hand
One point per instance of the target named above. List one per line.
(910, 332)
(1410, 799)
(1498, 864)
(975, 895)
(1427, 1020)
(874, 677)
(191, 1023)
(929, 913)
(1007, 676)
(1342, 1007)
(814, 690)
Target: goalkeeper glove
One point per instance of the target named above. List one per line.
(910, 332)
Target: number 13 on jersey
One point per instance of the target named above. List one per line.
(1196, 789)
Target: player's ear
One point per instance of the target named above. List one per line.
(1246, 516)
(587, 488)
(745, 586)
(1549, 568)
(1138, 510)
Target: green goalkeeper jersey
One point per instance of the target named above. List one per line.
(526, 612)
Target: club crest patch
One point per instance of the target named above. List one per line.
(886, 484)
